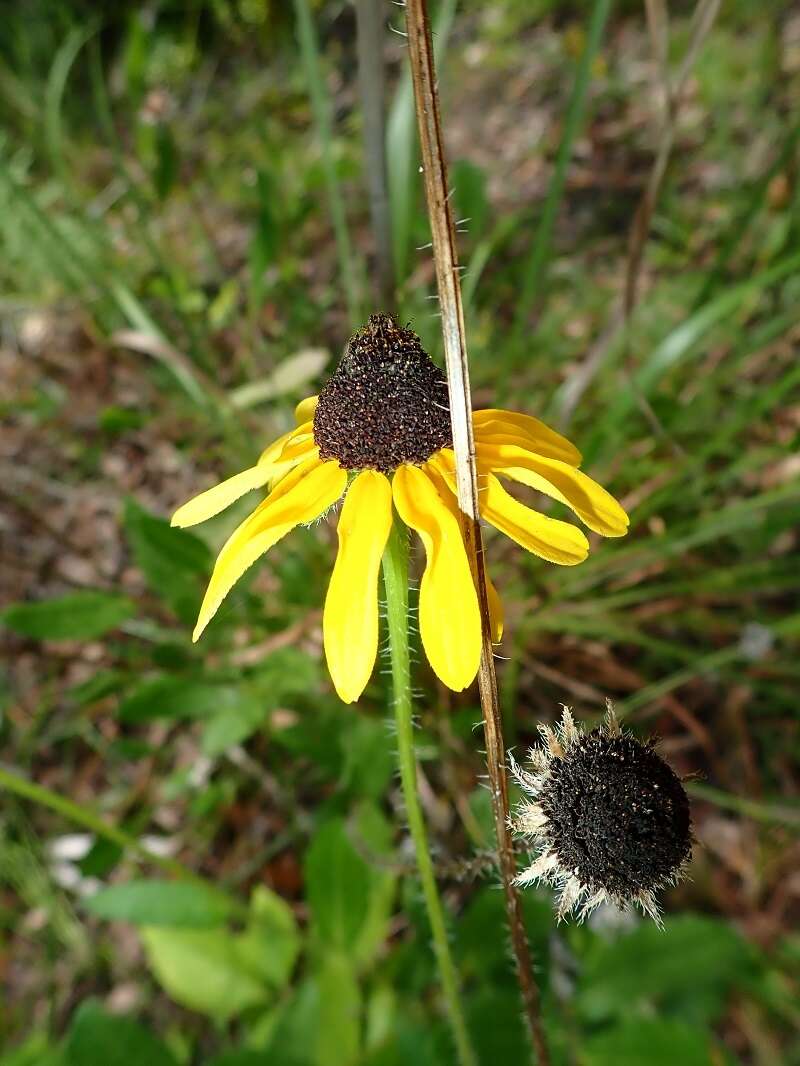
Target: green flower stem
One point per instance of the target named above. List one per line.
(395, 578)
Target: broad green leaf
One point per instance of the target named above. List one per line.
(369, 758)
(176, 697)
(687, 970)
(653, 1041)
(338, 884)
(207, 970)
(174, 562)
(339, 1031)
(97, 1038)
(234, 724)
(243, 1057)
(232, 712)
(172, 903)
(97, 687)
(375, 833)
(80, 616)
(272, 939)
(36, 1051)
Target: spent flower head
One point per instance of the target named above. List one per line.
(379, 437)
(608, 818)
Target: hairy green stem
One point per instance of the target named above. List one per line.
(395, 579)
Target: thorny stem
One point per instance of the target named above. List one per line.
(448, 283)
(395, 579)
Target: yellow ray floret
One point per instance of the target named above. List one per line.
(303, 495)
(350, 619)
(509, 427)
(558, 542)
(216, 499)
(495, 604)
(590, 502)
(449, 619)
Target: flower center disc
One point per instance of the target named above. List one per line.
(386, 403)
(618, 815)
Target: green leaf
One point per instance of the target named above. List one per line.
(206, 970)
(166, 168)
(648, 1040)
(234, 724)
(687, 970)
(243, 1057)
(172, 903)
(111, 1039)
(264, 243)
(233, 712)
(221, 973)
(368, 756)
(339, 1030)
(338, 883)
(81, 616)
(175, 563)
(36, 1051)
(375, 832)
(272, 936)
(176, 697)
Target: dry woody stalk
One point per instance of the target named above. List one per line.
(448, 284)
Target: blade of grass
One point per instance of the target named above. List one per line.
(321, 110)
(535, 271)
(80, 814)
(54, 93)
(758, 810)
(677, 345)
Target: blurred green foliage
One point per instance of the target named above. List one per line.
(162, 176)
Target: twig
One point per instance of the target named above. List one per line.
(372, 86)
(437, 194)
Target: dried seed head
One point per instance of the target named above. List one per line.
(385, 404)
(610, 818)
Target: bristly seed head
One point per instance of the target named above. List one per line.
(610, 818)
(385, 404)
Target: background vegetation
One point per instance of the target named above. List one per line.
(202, 853)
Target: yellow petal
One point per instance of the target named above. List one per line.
(216, 499)
(303, 495)
(533, 434)
(590, 502)
(496, 616)
(304, 411)
(350, 619)
(271, 453)
(558, 542)
(449, 619)
(298, 446)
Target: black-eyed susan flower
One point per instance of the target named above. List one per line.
(379, 436)
(609, 819)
